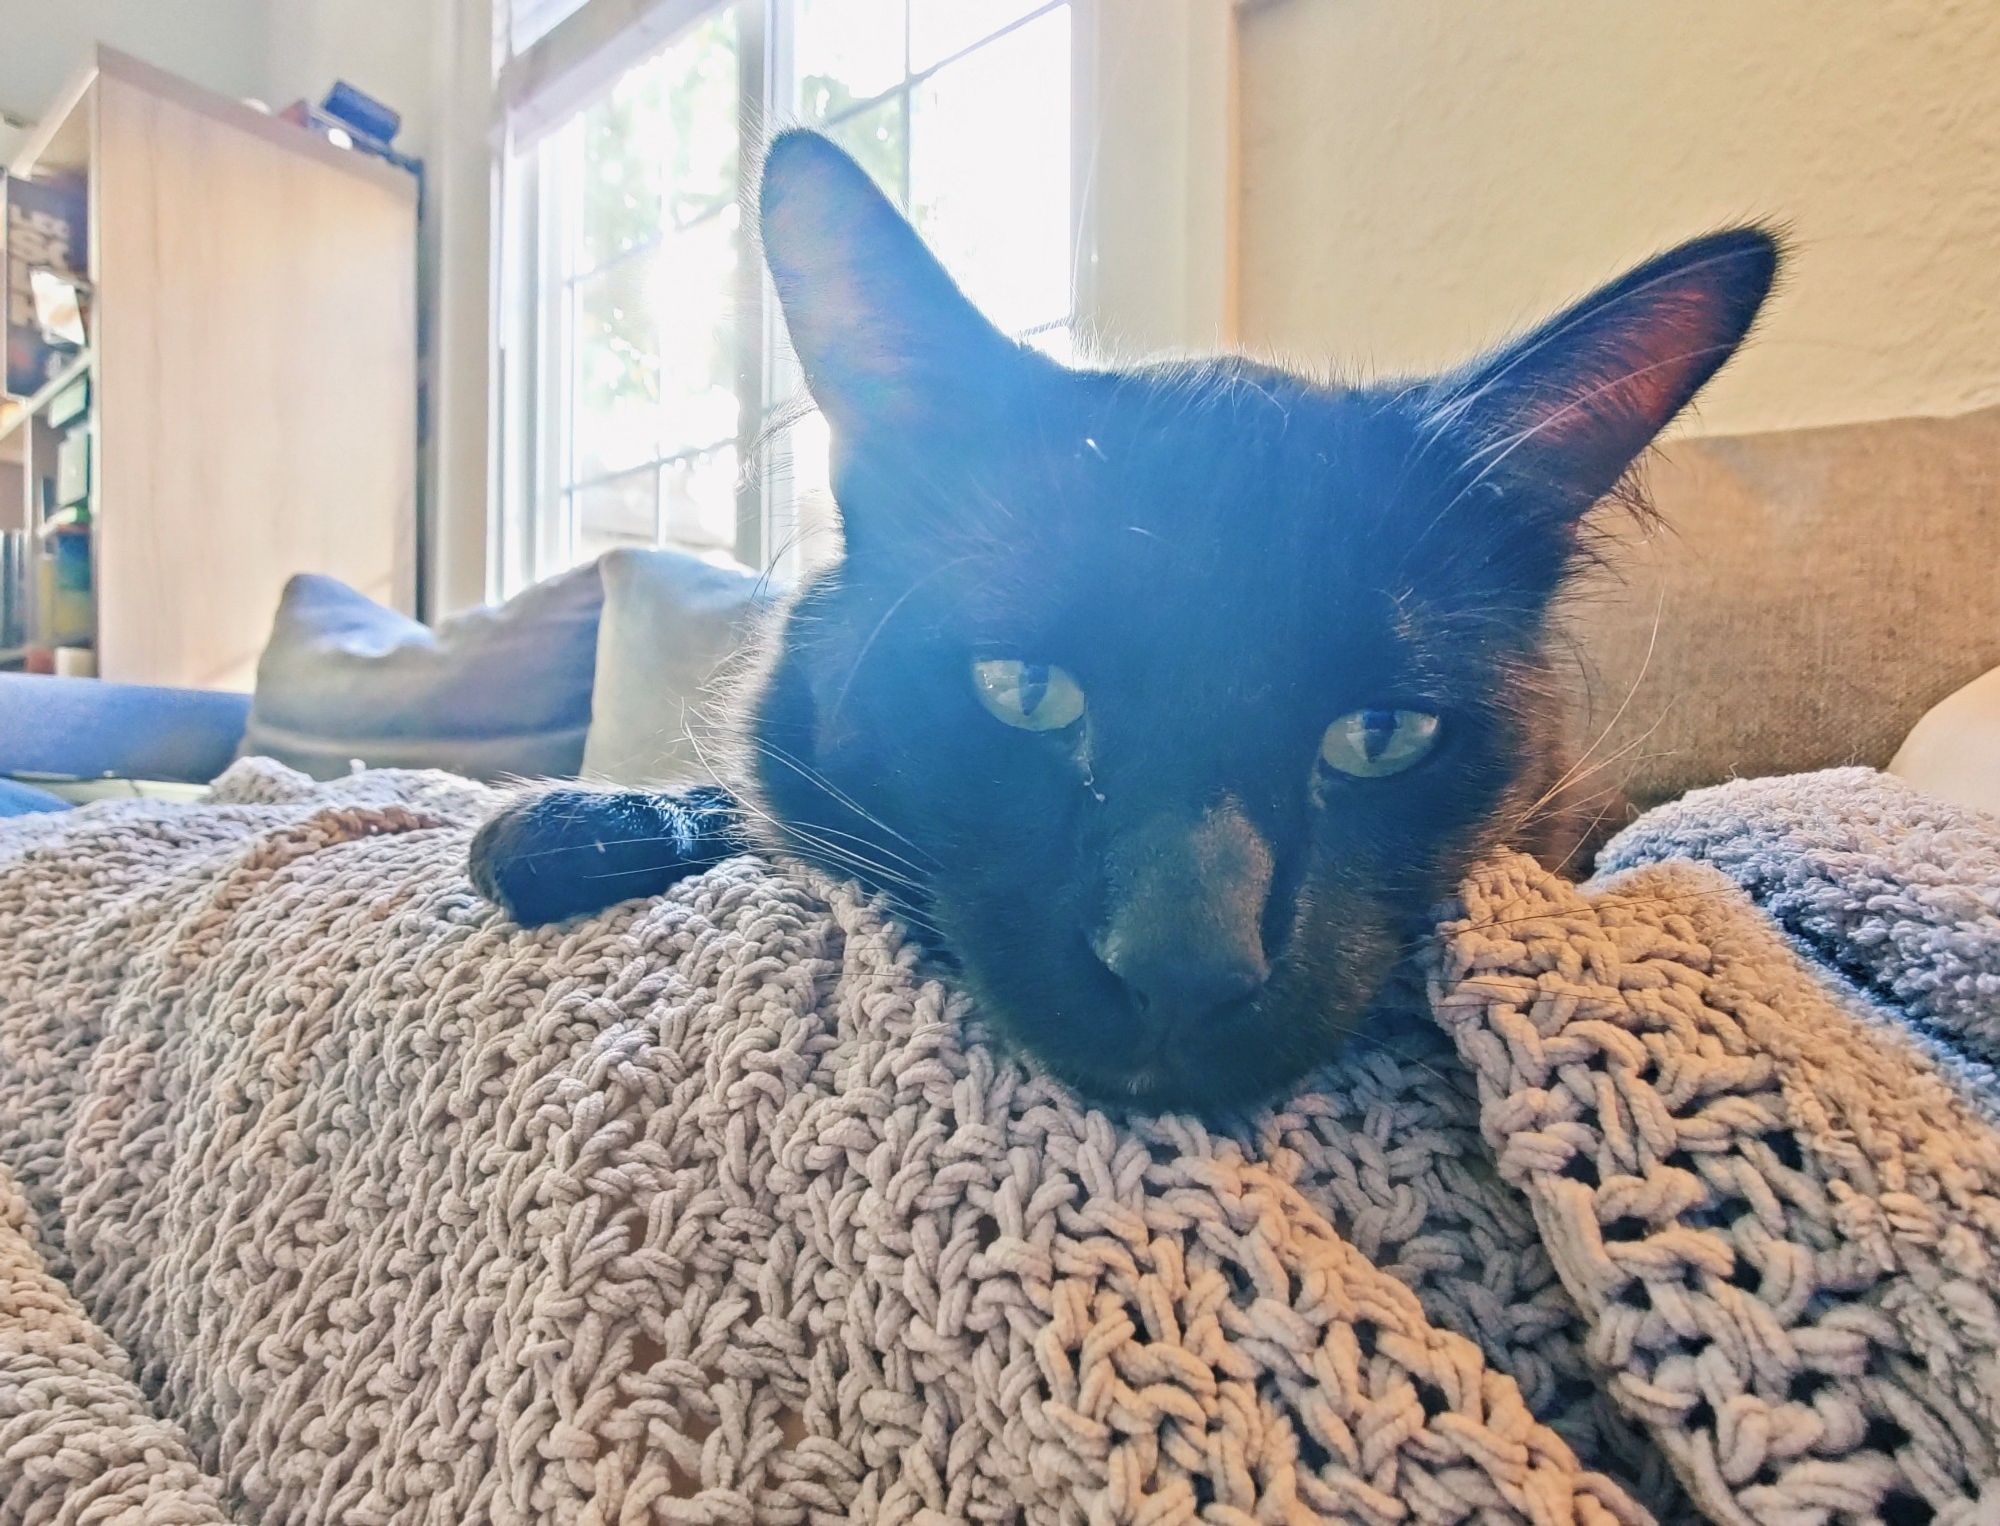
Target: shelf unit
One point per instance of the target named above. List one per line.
(252, 367)
(27, 459)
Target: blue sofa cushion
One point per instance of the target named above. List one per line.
(85, 728)
(25, 799)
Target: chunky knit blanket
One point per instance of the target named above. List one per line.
(329, 1195)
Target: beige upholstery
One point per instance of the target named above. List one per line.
(1816, 592)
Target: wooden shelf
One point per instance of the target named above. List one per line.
(62, 140)
(253, 370)
(44, 395)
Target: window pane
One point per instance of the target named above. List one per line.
(990, 171)
(644, 248)
(621, 174)
(615, 386)
(845, 51)
(661, 147)
(940, 28)
(699, 133)
(621, 512)
(876, 137)
(694, 291)
(698, 501)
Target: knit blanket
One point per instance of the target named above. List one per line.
(330, 1195)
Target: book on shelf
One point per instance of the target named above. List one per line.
(45, 234)
(15, 568)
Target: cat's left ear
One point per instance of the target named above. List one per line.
(1564, 411)
(885, 338)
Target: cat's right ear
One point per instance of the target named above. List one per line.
(885, 339)
(1566, 410)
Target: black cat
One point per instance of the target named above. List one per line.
(1163, 701)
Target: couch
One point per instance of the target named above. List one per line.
(85, 728)
(328, 1194)
(596, 668)
(1813, 594)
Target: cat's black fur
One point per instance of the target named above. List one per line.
(1227, 558)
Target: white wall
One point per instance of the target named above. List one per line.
(217, 43)
(276, 50)
(1420, 175)
(462, 194)
(1155, 88)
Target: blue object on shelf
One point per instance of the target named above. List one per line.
(362, 112)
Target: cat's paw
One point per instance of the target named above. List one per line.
(570, 851)
(527, 859)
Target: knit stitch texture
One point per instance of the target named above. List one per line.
(339, 1198)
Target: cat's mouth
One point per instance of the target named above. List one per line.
(1239, 1055)
(1174, 1078)
(1072, 1018)
(1068, 1014)
(1167, 1064)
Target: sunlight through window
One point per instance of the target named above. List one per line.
(663, 384)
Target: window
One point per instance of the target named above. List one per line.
(646, 375)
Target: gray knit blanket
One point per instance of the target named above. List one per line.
(329, 1195)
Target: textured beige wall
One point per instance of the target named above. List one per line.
(1419, 176)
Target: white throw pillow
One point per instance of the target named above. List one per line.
(1954, 751)
(672, 624)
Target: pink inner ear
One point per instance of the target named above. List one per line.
(1640, 383)
(847, 344)
(841, 328)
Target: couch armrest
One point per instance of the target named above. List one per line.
(84, 728)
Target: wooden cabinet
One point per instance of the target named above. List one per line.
(253, 369)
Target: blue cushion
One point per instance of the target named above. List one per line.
(85, 728)
(25, 799)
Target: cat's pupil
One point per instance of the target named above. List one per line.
(1378, 729)
(1034, 686)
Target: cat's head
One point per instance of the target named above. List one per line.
(1178, 694)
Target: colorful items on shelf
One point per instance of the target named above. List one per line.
(45, 237)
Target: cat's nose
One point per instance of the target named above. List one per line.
(1185, 925)
(1175, 984)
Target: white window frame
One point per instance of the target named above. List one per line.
(1152, 220)
(586, 54)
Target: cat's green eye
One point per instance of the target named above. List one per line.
(1034, 696)
(1372, 744)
